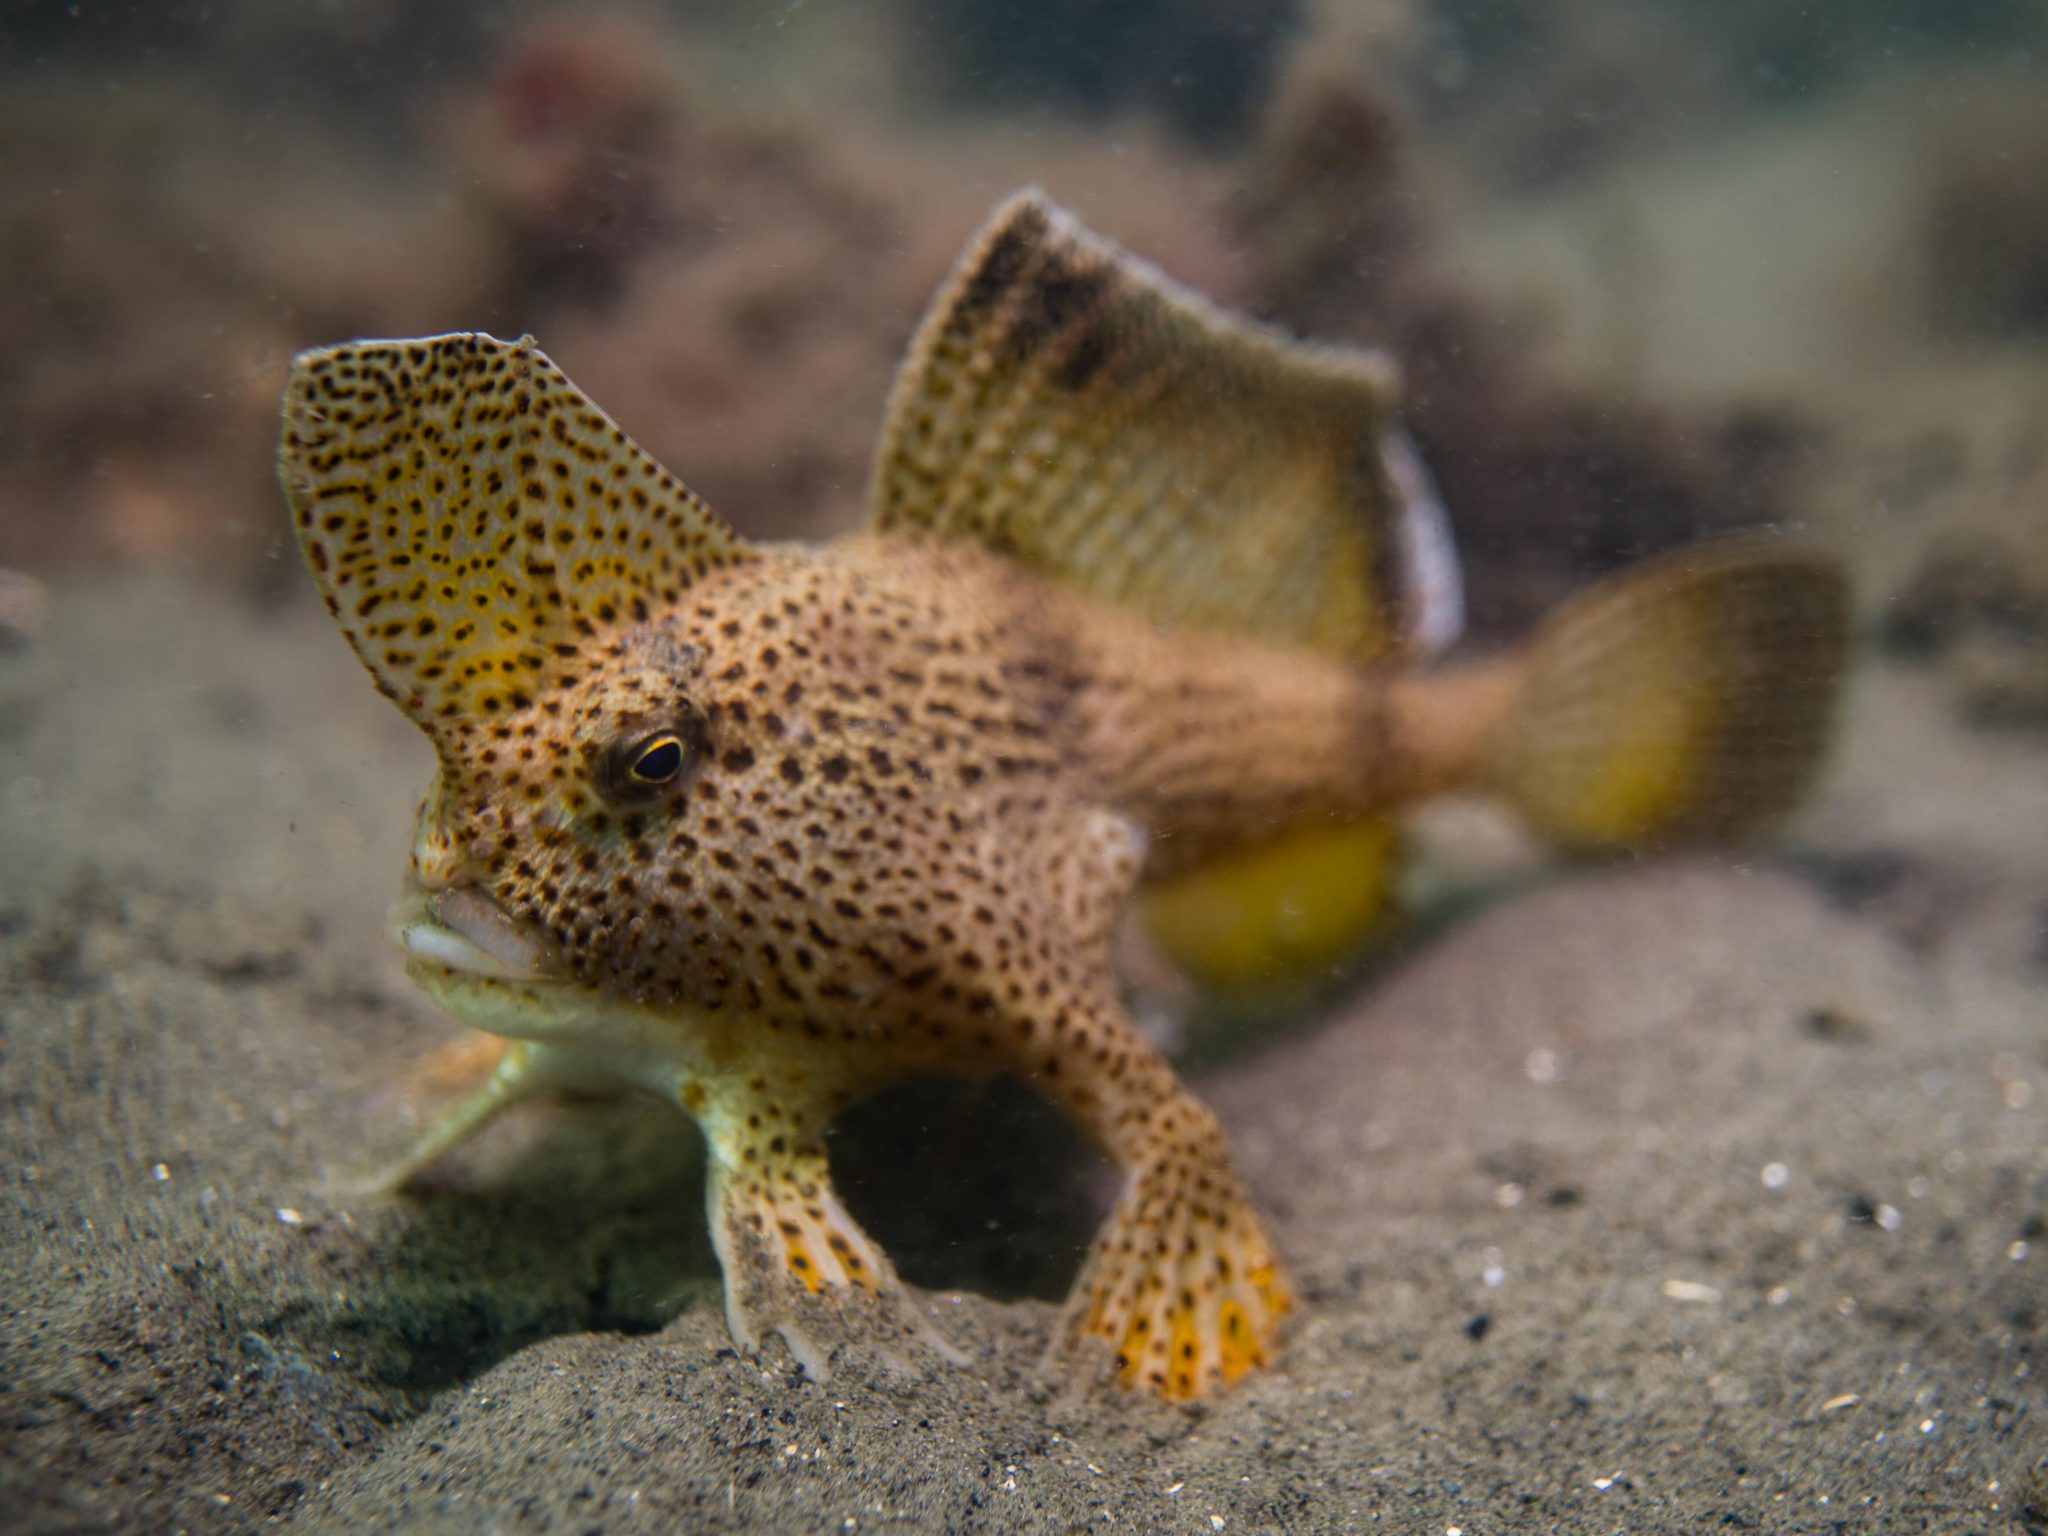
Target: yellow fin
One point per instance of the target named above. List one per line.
(1279, 912)
(1689, 700)
(1073, 407)
(473, 520)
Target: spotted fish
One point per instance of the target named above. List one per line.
(760, 829)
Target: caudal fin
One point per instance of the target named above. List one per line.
(1690, 700)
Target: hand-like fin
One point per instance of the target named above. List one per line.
(474, 521)
(1073, 407)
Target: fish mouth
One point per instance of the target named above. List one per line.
(461, 929)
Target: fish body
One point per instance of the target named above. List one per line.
(762, 829)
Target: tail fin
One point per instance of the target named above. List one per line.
(1690, 700)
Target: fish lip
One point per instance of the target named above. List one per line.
(463, 930)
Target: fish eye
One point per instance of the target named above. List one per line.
(658, 759)
(646, 765)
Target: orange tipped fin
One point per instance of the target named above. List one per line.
(1183, 1284)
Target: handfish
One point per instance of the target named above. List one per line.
(1146, 592)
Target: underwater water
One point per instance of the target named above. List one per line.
(1642, 1102)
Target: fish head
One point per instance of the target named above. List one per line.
(508, 566)
(561, 841)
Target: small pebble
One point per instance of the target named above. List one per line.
(1691, 1290)
(1835, 1024)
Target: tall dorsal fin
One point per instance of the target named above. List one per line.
(1070, 405)
(474, 522)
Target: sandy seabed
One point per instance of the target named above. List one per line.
(1693, 1195)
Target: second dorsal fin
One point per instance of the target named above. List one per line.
(1073, 407)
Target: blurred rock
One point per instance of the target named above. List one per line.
(567, 149)
(1202, 66)
(2003, 684)
(1547, 480)
(24, 608)
(1985, 263)
(1966, 586)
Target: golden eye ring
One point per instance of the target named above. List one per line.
(658, 759)
(639, 767)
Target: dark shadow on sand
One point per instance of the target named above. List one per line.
(594, 1224)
